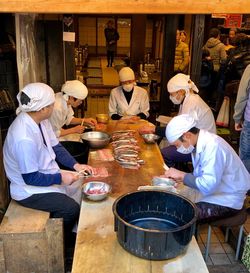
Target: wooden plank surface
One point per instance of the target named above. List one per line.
(97, 249)
(19, 219)
(131, 6)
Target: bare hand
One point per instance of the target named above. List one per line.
(175, 174)
(238, 126)
(82, 167)
(78, 129)
(147, 130)
(68, 178)
(90, 121)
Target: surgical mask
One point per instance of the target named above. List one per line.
(128, 87)
(175, 100)
(184, 150)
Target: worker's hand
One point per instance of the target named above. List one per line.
(175, 174)
(238, 126)
(78, 129)
(90, 121)
(68, 178)
(149, 129)
(82, 167)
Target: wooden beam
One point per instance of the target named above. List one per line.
(131, 6)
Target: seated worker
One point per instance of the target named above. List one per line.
(219, 175)
(30, 152)
(184, 92)
(128, 100)
(72, 95)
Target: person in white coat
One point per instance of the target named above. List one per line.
(128, 100)
(184, 92)
(219, 175)
(72, 95)
(30, 152)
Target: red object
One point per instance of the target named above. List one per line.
(233, 21)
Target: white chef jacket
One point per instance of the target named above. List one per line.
(194, 103)
(25, 152)
(221, 177)
(139, 102)
(62, 114)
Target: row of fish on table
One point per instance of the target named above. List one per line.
(126, 149)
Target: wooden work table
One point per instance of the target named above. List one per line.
(97, 249)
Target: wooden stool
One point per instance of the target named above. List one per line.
(236, 220)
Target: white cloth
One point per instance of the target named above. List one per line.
(221, 177)
(75, 89)
(25, 152)
(178, 126)
(181, 81)
(40, 94)
(193, 104)
(62, 114)
(126, 74)
(139, 102)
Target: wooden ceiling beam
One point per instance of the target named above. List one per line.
(127, 7)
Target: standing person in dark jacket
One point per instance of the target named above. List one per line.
(112, 36)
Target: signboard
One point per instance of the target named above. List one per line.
(233, 21)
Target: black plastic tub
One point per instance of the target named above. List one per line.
(154, 225)
(79, 150)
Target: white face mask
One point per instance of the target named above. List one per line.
(175, 100)
(128, 87)
(184, 150)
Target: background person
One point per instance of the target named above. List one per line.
(219, 175)
(30, 152)
(112, 36)
(128, 100)
(72, 95)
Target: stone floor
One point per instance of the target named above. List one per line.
(221, 254)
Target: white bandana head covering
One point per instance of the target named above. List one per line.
(181, 81)
(74, 89)
(178, 126)
(126, 74)
(40, 94)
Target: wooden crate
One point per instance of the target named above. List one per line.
(30, 241)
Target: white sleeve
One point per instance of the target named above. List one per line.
(57, 121)
(145, 104)
(112, 103)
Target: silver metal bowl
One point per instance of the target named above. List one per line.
(96, 190)
(150, 138)
(96, 139)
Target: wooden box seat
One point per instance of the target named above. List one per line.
(30, 241)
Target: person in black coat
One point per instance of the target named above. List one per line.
(112, 36)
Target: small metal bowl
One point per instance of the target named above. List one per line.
(96, 139)
(150, 138)
(96, 190)
(102, 118)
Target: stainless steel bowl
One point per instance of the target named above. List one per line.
(102, 118)
(150, 138)
(96, 139)
(96, 190)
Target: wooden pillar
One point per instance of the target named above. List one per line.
(138, 36)
(196, 47)
(169, 41)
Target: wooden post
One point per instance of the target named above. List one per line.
(2, 260)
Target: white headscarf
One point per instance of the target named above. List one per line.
(178, 126)
(40, 94)
(126, 74)
(181, 81)
(74, 89)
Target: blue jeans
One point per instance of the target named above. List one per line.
(244, 151)
(171, 156)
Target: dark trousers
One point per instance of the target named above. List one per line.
(59, 205)
(110, 57)
(210, 212)
(171, 156)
